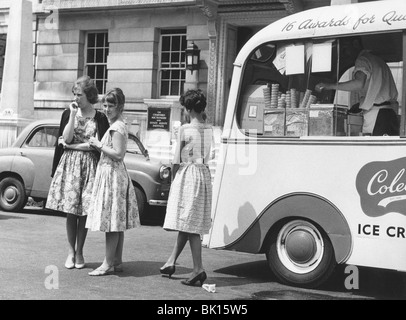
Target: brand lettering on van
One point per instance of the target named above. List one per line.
(311, 24)
(382, 187)
(392, 17)
(363, 20)
(389, 18)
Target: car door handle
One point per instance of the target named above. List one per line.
(22, 154)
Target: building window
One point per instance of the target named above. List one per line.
(172, 62)
(97, 50)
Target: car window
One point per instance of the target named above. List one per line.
(44, 137)
(134, 145)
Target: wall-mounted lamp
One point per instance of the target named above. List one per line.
(192, 57)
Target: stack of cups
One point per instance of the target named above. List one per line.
(288, 99)
(306, 98)
(293, 98)
(301, 97)
(282, 101)
(274, 95)
(267, 97)
(312, 100)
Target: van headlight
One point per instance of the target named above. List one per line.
(164, 172)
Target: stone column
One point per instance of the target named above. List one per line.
(210, 11)
(17, 92)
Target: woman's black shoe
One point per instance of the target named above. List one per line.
(200, 277)
(169, 270)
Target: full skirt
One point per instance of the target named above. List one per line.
(72, 184)
(114, 205)
(189, 203)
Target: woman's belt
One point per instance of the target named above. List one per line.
(386, 103)
(196, 161)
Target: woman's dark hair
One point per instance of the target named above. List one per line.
(88, 87)
(193, 100)
(116, 97)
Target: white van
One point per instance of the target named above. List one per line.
(296, 177)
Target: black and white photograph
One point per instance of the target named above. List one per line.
(202, 158)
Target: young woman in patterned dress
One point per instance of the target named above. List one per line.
(189, 204)
(74, 166)
(114, 206)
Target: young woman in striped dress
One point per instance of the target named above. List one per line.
(189, 204)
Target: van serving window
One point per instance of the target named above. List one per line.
(279, 96)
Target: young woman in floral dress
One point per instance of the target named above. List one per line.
(74, 166)
(114, 206)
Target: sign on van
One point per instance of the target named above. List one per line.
(349, 19)
(382, 187)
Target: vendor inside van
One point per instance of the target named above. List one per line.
(374, 82)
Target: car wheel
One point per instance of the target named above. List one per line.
(12, 194)
(142, 203)
(301, 254)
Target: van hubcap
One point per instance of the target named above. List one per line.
(300, 246)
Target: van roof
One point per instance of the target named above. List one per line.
(329, 21)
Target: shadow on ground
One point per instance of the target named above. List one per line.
(253, 271)
(155, 217)
(4, 216)
(370, 283)
(139, 269)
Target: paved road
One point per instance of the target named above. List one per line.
(33, 250)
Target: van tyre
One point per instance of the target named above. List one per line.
(142, 203)
(300, 254)
(12, 194)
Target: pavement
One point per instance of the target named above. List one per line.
(33, 251)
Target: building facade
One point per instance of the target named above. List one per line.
(139, 46)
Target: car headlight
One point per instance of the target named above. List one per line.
(164, 172)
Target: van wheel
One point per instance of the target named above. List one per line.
(12, 194)
(301, 254)
(142, 203)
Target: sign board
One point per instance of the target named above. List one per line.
(158, 118)
(329, 21)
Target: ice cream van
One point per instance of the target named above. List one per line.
(297, 178)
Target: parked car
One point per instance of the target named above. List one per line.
(25, 169)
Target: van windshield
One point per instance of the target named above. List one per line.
(282, 89)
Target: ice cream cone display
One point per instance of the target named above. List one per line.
(273, 98)
(301, 96)
(293, 98)
(267, 97)
(306, 98)
(274, 95)
(282, 101)
(287, 99)
(312, 100)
